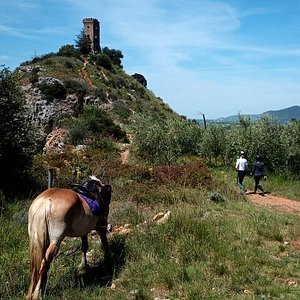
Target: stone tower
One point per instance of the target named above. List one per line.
(91, 28)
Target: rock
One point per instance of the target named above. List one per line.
(161, 218)
(55, 141)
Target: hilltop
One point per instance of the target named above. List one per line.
(58, 86)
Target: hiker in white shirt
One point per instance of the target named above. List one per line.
(241, 167)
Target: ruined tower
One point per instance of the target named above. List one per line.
(91, 28)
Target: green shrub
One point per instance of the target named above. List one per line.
(98, 123)
(104, 61)
(77, 134)
(75, 87)
(53, 91)
(34, 78)
(68, 64)
(114, 55)
(68, 51)
(101, 94)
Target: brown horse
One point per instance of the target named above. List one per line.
(55, 214)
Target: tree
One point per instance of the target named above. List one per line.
(290, 137)
(213, 143)
(69, 51)
(17, 142)
(164, 141)
(140, 78)
(83, 43)
(114, 55)
(104, 61)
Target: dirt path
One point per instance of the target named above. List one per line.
(83, 73)
(280, 203)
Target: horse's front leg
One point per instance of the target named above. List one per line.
(84, 249)
(102, 231)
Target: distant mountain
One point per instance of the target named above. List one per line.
(284, 115)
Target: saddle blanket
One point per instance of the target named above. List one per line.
(93, 204)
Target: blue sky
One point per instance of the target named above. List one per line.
(219, 58)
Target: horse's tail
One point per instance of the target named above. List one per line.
(38, 218)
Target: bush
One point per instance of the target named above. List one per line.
(53, 91)
(68, 64)
(140, 78)
(75, 87)
(193, 174)
(93, 125)
(114, 55)
(74, 166)
(77, 134)
(103, 60)
(68, 51)
(101, 94)
(34, 78)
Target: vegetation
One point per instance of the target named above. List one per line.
(83, 43)
(140, 78)
(215, 245)
(209, 248)
(114, 55)
(17, 138)
(94, 125)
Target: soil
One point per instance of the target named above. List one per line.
(277, 202)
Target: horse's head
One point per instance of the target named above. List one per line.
(93, 184)
(95, 180)
(105, 192)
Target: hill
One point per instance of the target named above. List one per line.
(283, 115)
(58, 87)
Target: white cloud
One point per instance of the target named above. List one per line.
(13, 32)
(3, 58)
(194, 54)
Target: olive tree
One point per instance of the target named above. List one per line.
(163, 141)
(213, 143)
(290, 138)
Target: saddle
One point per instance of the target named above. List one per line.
(79, 188)
(88, 197)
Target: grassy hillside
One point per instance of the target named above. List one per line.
(122, 93)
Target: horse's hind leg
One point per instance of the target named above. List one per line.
(45, 266)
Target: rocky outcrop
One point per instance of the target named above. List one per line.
(45, 113)
(56, 141)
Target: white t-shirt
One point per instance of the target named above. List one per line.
(241, 164)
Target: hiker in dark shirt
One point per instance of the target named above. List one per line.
(259, 173)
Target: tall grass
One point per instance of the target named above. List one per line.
(206, 250)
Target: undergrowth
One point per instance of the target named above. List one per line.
(207, 249)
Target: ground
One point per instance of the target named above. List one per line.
(280, 203)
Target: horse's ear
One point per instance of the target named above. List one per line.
(93, 177)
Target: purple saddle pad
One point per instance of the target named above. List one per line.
(94, 206)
